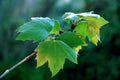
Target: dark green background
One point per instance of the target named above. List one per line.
(100, 62)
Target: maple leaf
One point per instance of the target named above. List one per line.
(55, 52)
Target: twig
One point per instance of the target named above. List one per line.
(19, 63)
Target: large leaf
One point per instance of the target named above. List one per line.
(37, 29)
(71, 39)
(55, 52)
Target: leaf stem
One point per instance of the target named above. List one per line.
(16, 65)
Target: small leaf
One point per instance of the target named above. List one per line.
(70, 17)
(55, 52)
(72, 40)
(81, 29)
(36, 30)
(56, 28)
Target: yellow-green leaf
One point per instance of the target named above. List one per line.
(55, 52)
(56, 28)
(87, 24)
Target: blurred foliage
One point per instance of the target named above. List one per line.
(100, 62)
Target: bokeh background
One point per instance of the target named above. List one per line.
(100, 62)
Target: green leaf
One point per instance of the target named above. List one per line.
(87, 16)
(87, 24)
(72, 40)
(55, 52)
(84, 29)
(36, 30)
(95, 19)
(70, 17)
(93, 33)
(81, 29)
(56, 28)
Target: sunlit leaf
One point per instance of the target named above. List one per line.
(70, 17)
(87, 24)
(55, 52)
(36, 30)
(56, 28)
(81, 28)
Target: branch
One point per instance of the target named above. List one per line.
(19, 63)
